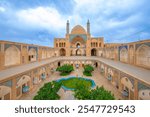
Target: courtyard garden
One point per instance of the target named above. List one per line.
(83, 89)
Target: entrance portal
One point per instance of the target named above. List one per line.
(93, 52)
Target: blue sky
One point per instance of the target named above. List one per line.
(40, 21)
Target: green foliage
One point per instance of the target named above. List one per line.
(101, 94)
(49, 91)
(87, 73)
(85, 93)
(65, 69)
(82, 92)
(64, 74)
(73, 82)
(87, 70)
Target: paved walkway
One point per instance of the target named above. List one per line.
(137, 72)
(68, 95)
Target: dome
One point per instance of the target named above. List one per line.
(78, 30)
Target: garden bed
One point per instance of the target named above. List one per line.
(71, 83)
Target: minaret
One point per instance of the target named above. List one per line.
(88, 27)
(67, 27)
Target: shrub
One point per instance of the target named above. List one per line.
(49, 91)
(87, 70)
(65, 69)
(85, 93)
(87, 73)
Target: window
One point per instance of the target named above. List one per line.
(56, 44)
(29, 58)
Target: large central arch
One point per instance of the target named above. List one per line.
(77, 40)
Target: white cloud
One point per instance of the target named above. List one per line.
(113, 19)
(105, 6)
(42, 17)
(2, 9)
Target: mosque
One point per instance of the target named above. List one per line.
(126, 66)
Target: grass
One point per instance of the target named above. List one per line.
(72, 82)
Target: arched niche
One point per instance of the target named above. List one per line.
(143, 56)
(124, 55)
(62, 52)
(23, 85)
(5, 93)
(93, 52)
(144, 94)
(12, 56)
(32, 55)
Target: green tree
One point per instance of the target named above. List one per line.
(65, 69)
(49, 91)
(85, 93)
(88, 70)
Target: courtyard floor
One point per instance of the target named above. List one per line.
(68, 95)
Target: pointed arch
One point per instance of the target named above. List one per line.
(124, 55)
(23, 85)
(93, 52)
(62, 52)
(32, 55)
(12, 56)
(127, 83)
(23, 80)
(143, 55)
(144, 94)
(5, 93)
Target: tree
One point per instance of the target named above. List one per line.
(65, 69)
(85, 93)
(87, 70)
(49, 91)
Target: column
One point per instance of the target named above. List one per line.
(135, 89)
(13, 89)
